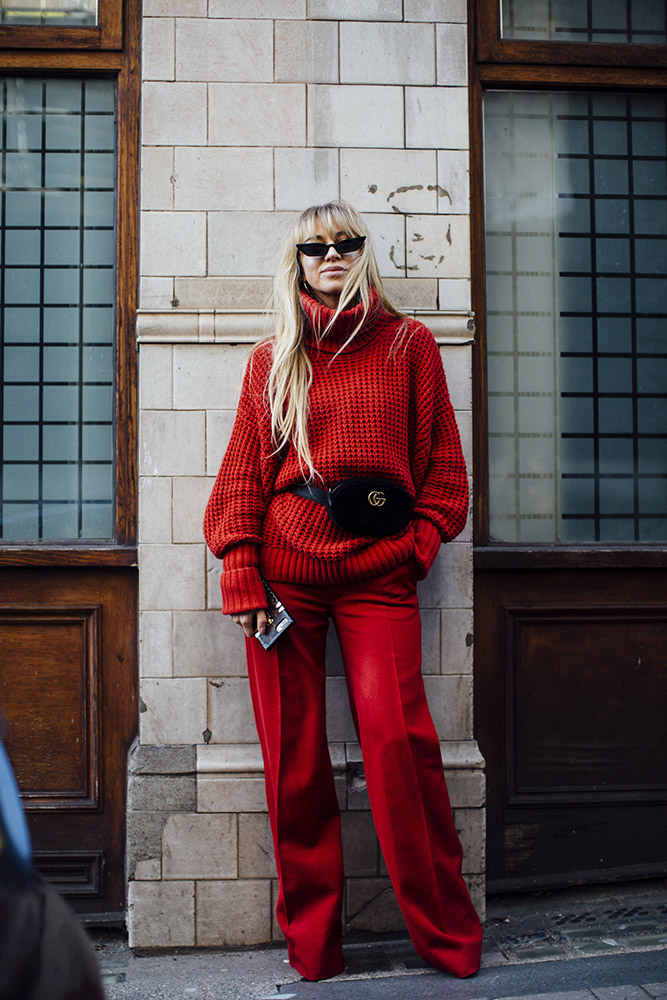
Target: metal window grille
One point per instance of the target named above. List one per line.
(57, 288)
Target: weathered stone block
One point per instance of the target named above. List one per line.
(189, 498)
(387, 53)
(450, 701)
(470, 826)
(233, 914)
(173, 710)
(173, 243)
(172, 794)
(155, 652)
(171, 576)
(207, 643)
(306, 52)
(457, 647)
(233, 793)
(371, 906)
(199, 846)
(172, 443)
(355, 116)
(155, 509)
(466, 788)
(173, 114)
(381, 180)
(162, 760)
(157, 48)
(256, 859)
(231, 718)
(209, 49)
(162, 914)
(214, 179)
(438, 246)
(436, 117)
(257, 114)
(305, 177)
(360, 846)
(449, 584)
(452, 55)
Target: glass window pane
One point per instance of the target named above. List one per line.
(57, 389)
(576, 310)
(71, 13)
(639, 22)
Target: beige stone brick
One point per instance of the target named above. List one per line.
(355, 116)
(452, 55)
(156, 293)
(174, 8)
(339, 719)
(454, 293)
(171, 576)
(453, 181)
(306, 52)
(398, 180)
(155, 377)
(157, 167)
(210, 178)
(172, 443)
(154, 509)
(305, 177)
(466, 789)
(213, 592)
(356, 10)
(388, 235)
(470, 826)
(149, 870)
(233, 913)
(450, 701)
(256, 858)
(189, 500)
(207, 644)
(223, 293)
(207, 376)
(217, 793)
(230, 711)
(258, 8)
(387, 53)
(246, 242)
(257, 114)
(371, 906)
(412, 293)
(219, 425)
(456, 361)
(435, 10)
(157, 48)
(477, 888)
(334, 657)
(438, 246)
(464, 421)
(155, 644)
(174, 114)
(162, 914)
(173, 243)
(360, 846)
(173, 710)
(430, 619)
(449, 584)
(456, 646)
(208, 49)
(197, 846)
(436, 117)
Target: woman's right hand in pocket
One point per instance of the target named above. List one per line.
(251, 621)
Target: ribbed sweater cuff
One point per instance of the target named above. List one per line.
(240, 583)
(427, 544)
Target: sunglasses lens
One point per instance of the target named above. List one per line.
(314, 249)
(349, 246)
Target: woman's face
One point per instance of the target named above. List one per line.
(326, 275)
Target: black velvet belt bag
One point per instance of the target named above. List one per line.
(364, 506)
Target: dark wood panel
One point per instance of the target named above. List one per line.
(74, 627)
(577, 741)
(68, 555)
(49, 679)
(570, 702)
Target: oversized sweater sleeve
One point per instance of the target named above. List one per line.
(236, 507)
(441, 503)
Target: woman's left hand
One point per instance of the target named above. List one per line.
(251, 621)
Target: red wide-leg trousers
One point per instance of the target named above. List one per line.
(378, 627)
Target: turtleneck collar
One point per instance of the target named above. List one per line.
(319, 316)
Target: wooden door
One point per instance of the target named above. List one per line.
(571, 530)
(68, 691)
(68, 608)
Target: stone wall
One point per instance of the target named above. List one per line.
(245, 122)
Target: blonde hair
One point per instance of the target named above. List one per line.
(291, 373)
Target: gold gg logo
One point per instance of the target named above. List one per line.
(376, 498)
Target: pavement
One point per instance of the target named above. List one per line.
(592, 943)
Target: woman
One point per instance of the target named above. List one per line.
(346, 388)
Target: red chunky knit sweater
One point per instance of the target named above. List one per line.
(380, 408)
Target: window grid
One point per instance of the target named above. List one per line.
(67, 490)
(605, 515)
(47, 13)
(624, 21)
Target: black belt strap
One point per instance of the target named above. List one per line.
(312, 493)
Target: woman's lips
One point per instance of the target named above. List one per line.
(333, 270)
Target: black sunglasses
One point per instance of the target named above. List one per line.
(341, 247)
